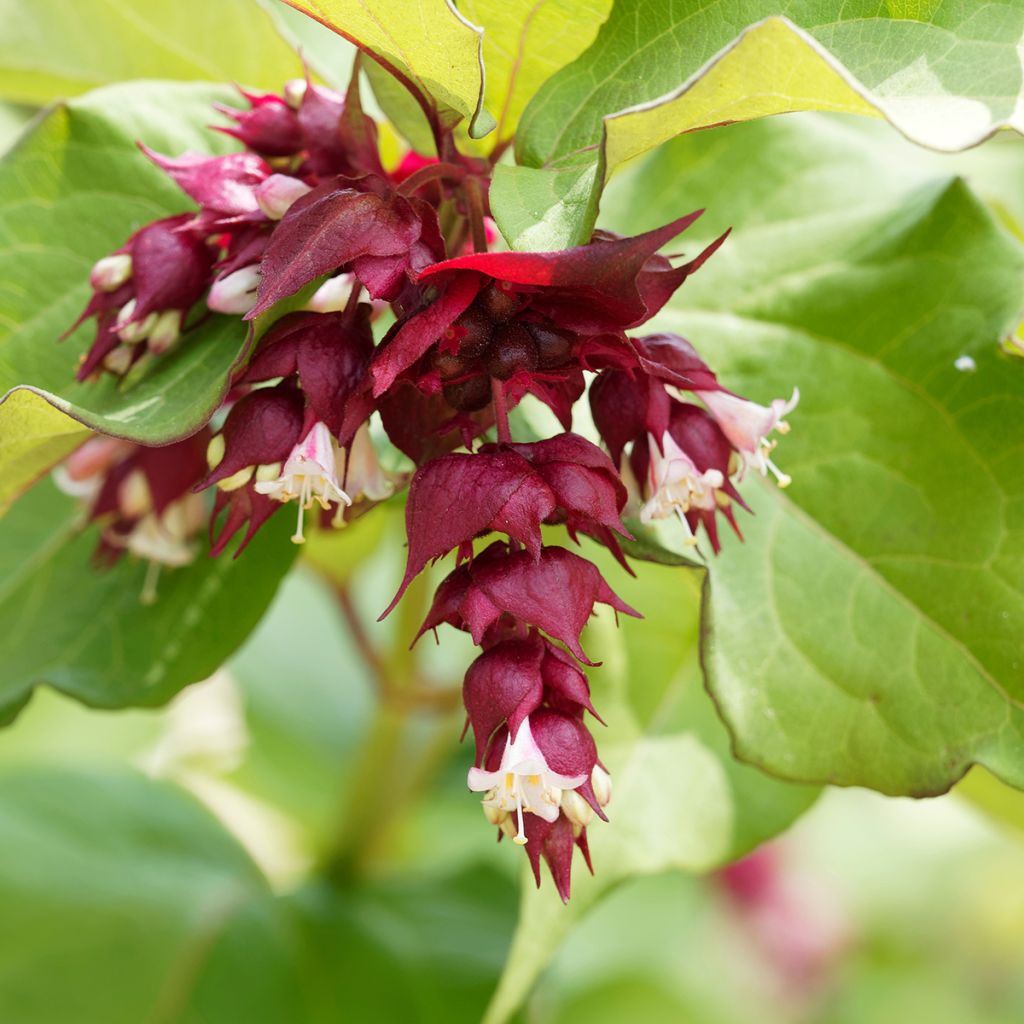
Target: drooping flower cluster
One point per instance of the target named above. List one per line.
(292, 234)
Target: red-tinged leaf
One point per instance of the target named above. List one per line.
(245, 507)
(410, 339)
(565, 686)
(607, 273)
(455, 497)
(222, 184)
(553, 841)
(425, 426)
(565, 742)
(327, 230)
(501, 687)
(328, 351)
(584, 480)
(170, 267)
(262, 428)
(556, 594)
(674, 360)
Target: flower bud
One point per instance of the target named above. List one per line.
(494, 815)
(235, 293)
(134, 496)
(271, 471)
(131, 333)
(294, 92)
(109, 273)
(236, 480)
(166, 331)
(215, 451)
(118, 360)
(275, 195)
(602, 783)
(576, 809)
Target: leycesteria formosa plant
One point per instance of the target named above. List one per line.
(308, 234)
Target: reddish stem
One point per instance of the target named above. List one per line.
(433, 172)
(500, 411)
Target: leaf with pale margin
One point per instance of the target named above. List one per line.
(71, 192)
(525, 43)
(51, 48)
(868, 631)
(85, 631)
(426, 43)
(657, 70)
(136, 897)
(680, 801)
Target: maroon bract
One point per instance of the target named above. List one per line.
(143, 293)
(555, 593)
(359, 225)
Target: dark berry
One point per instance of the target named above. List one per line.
(511, 349)
(499, 301)
(474, 331)
(468, 395)
(449, 366)
(554, 347)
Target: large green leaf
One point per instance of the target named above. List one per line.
(427, 43)
(680, 800)
(86, 632)
(71, 192)
(50, 48)
(868, 631)
(125, 900)
(658, 70)
(525, 43)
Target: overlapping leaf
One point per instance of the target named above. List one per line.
(70, 193)
(428, 44)
(658, 70)
(868, 631)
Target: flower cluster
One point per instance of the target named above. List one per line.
(308, 237)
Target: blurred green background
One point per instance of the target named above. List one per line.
(293, 841)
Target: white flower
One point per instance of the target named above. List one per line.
(675, 485)
(235, 293)
(165, 539)
(309, 474)
(523, 782)
(747, 426)
(360, 470)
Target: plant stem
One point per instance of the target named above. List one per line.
(475, 203)
(500, 411)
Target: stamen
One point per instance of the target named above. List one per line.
(784, 479)
(297, 537)
(149, 595)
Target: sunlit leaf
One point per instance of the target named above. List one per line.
(658, 70)
(525, 43)
(51, 49)
(428, 44)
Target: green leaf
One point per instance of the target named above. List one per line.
(136, 899)
(867, 632)
(86, 632)
(542, 210)
(680, 800)
(428, 44)
(525, 43)
(51, 49)
(658, 70)
(71, 192)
